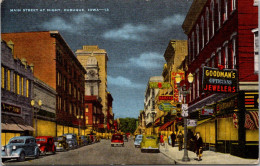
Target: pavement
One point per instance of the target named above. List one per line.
(208, 157)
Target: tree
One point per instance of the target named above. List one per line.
(128, 125)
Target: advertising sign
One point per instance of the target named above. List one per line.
(219, 81)
(175, 90)
(184, 113)
(165, 97)
(207, 111)
(192, 122)
(166, 107)
(159, 85)
(11, 108)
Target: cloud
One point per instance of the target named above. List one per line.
(148, 60)
(77, 24)
(123, 82)
(142, 32)
(128, 32)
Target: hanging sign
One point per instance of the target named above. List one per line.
(207, 111)
(165, 97)
(220, 81)
(159, 85)
(166, 107)
(192, 122)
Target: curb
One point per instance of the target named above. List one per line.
(175, 162)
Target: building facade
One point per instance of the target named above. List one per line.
(57, 66)
(110, 114)
(16, 95)
(221, 36)
(102, 58)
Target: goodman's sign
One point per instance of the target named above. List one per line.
(219, 81)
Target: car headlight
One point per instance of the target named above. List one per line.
(39, 145)
(3, 148)
(14, 147)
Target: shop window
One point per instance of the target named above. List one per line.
(3, 77)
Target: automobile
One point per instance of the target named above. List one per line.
(149, 143)
(138, 140)
(46, 144)
(117, 139)
(71, 140)
(84, 140)
(79, 141)
(20, 147)
(125, 138)
(61, 143)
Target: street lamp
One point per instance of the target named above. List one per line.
(79, 118)
(184, 92)
(35, 111)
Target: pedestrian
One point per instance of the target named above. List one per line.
(173, 137)
(180, 140)
(199, 146)
(161, 140)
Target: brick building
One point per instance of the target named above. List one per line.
(56, 65)
(221, 36)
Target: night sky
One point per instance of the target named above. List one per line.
(135, 34)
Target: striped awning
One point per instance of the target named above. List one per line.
(163, 127)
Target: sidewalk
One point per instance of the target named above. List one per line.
(208, 157)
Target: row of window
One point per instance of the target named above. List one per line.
(21, 85)
(220, 13)
(224, 55)
(71, 108)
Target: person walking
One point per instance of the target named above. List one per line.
(173, 137)
(198, 146)
(180, 140)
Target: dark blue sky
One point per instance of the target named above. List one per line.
(135, 34)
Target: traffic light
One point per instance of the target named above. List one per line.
(178, 108)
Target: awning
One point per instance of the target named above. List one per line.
(15, 123)
(25, 127)
(14, 127)
(163, 127)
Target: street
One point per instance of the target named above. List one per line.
(99, 153)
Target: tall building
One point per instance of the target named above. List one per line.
(102, 58)
(16, 95)
(57, 66)
(223, 37)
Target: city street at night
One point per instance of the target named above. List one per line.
(99, 153)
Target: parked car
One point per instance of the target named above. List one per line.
(71, 140)
(61, 143)
(46, 144)
(20, 147)
(149, 143)
(138, 140)
(117, 139)
(84, 140)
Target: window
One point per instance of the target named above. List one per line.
(3, 77)
(198, 39)
(64, 105)
(27, 88)
(91, 90)
(256, 50)
(86, 109)
(189, 50)
(193, 52)
(198, 83)
(22, 88)
(8, 80)
(202, 32)
(226, 56)
(213, 60)
(207, 20)
(18, 84)
(219, 57)
(70, 88)
(225, 13)
(212, 17)
(219, 13)
(233, 5)
(233, 52)
(70, 108)
(14, 83)
(86, 119)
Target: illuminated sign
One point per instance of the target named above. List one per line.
(10, 108)
(166, 107)
(159, 85)
(176, 92)
(165, 97)
(219, 81)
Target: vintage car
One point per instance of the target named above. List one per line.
(149, 143)
(71, 140)
(117, 139)
(84, 140)
(20, 147)
(46, 144)
(138, 140)
(61, 143)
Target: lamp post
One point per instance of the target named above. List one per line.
(184, 92)
(79, 118)
(35, 111)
